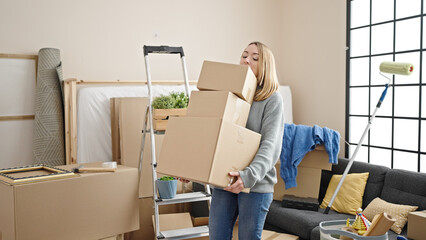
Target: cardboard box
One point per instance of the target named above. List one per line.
(219, 104)
(416, 225)
(235, 78)
(161, 116)
(176, 221)
(146, 210)
(267, 235)
(127, 118)
(116, 237)
(308, 183)
(318, 158)
(89, 206)
(200, 221)
(206, 149)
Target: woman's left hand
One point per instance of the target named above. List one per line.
(237, 186)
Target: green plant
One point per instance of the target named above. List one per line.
(163, 102)
(166, 178)
(174, 100)
(181, 99)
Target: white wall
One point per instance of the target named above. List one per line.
(103, 39)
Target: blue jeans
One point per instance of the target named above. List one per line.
(226, 206)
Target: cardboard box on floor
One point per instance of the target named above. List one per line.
(308, 183)
(146, 210)
(268, 235)
(89, 206)
(127, 118)
(416, 225)
(219, 104)
(117, 237)
(235, 78)
(205, 149)
(174, 221)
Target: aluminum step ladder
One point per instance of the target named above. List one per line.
(186, 233)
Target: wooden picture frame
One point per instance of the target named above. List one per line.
(33, 173)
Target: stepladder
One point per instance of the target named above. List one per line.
(195, 196)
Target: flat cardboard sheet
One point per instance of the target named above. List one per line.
(128, 124)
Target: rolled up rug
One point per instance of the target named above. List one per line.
(48, 138)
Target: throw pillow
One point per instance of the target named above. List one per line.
(397, 211)
(349, 198)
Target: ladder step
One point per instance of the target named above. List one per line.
(185, 233)
(185, 197)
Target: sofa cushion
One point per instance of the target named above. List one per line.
(375, 181)
(398, 212)
(349, 197)
(299, 222)
(405, 187)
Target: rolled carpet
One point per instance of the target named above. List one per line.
(48, 138)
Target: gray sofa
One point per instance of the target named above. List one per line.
(391, 185)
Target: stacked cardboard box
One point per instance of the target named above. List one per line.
(212, 139)
(308, 176)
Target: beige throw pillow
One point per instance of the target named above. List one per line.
(397, 211)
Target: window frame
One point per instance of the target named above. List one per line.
(421, 84)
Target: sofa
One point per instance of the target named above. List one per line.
(392, 185)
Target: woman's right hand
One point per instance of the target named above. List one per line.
(183, 180)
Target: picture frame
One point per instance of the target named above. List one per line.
(34, 173)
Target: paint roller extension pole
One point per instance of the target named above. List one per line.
(356, 151)
(385, 67)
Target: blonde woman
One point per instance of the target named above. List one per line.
(265, 117)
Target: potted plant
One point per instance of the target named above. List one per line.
(167, 186)
(174, 104)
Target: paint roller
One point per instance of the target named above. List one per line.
(394, 68)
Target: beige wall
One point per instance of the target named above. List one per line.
(312, 61)
(103, 39)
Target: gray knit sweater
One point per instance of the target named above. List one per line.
(267, 118)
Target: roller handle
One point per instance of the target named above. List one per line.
(327, 209)
(163, 49)
(379, 103)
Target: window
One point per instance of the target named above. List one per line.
(386, 30)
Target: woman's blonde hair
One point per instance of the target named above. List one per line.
(267, 80)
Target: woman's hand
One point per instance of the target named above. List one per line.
(183, 180)
(237, 186)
